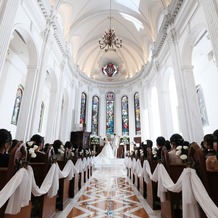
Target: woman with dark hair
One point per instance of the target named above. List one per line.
(5, 144)
(212, 160)
(177, 142)
(160, 141)
(68, 149)
(58, 149)
(40, 153)
(208, 143)
(39, 141)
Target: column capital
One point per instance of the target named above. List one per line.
(187, 67)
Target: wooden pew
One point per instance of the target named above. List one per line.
(74, 183)
(142, 184)
(151, 187)
(43, 206)
(172, 199)
(64, 187)
(5, 175)
(208, 178)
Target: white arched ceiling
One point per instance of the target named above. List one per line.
(135, 21)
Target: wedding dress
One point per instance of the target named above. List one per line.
(106, 155)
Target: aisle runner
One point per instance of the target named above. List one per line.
(109, 194)
(113, 163)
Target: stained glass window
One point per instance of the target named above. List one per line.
(137, 114)
(83, 109)
(110, 113)
(95, 115)
(17, 104)
(202, 105)
(41, 116)
(125, 115)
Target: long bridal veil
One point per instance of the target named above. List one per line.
(106, 155)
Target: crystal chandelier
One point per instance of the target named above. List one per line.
(109, 41)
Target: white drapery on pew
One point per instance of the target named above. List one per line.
(24, 180)
(189, 183)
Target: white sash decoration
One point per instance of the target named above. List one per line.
(24, 180)
(130, 163)
(14, 190)
(92, 160)
(191, 186)
(126, 161)
(68, 171)
(202, 196)
(89, 161)
(79, 165)
(84, 164)
(138, 168)
(134, 165)
(146, 171)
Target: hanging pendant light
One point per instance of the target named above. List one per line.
(109, 41)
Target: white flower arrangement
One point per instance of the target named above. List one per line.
(127, 153)
(93, 152)
(61, 149)
(154, 151)
(180, 153)
(81, 153)
(31, 150)
(141, 152)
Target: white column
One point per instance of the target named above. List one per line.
(50, 129)
(188, 111)
(7, 17)
(89, 109)
(102, 114)
(117, 114)
(26, 112)
(194, 116)
(58, 104)
(211, 15)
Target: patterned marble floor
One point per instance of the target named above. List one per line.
(109, 193)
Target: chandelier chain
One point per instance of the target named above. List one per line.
(109, 41)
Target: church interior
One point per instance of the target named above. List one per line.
(110, 110)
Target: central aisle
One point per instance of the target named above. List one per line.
(108, 193)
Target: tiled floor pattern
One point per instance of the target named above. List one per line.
(109, 193)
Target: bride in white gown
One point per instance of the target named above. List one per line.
(106, 155)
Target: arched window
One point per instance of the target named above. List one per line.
(95, 115)
(83, 109)
(155, 112)
(41, 117)
(17, 104)
(174, 103)
(125, 115)
(137, 114)
(202, 106)
(110, 113)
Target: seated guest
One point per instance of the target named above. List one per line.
(176, 140)
(211, 161)
(208, 143)
(5, 143)
(68, 150)
(160, 141)
(167, 145)
(203, 148)
(13, 144)
(149, 143)
(58, 150)
(40, 154)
